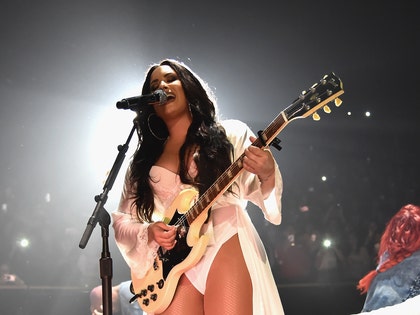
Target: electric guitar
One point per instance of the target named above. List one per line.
(154, 292)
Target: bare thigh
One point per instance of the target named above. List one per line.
(229, 286)
(187, 300)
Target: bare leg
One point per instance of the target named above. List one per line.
(229, 286)
(187, 300)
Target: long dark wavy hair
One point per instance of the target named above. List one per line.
(205, 136)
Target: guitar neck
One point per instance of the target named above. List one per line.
(226, 179)
(318, 95)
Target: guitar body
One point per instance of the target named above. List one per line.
(156, 289)
(189, 211)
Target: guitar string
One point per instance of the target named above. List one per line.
(226, 174)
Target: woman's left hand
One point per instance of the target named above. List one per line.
(259, 161)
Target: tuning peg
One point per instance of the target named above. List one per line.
(327, 109)
(338, 102)
(315, 116)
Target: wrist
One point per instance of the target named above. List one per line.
(266, 178)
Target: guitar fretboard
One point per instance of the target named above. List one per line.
(307, 103)
(225, 180)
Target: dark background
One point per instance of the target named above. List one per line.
(64, 64)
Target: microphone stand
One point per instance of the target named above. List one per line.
(102, 216)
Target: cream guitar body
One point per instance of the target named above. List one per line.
(155, 291)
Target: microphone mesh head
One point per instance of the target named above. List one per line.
(162, 98)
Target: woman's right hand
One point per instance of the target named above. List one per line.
(162, 234)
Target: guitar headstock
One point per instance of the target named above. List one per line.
(319, 95)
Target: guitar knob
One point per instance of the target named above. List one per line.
(315, 116)
(327, 109)
(153, 297)
(151, 287)
(160, 283)
(338, 102)
(146, 302)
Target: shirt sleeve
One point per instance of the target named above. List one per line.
(131, 236)
(249, 185)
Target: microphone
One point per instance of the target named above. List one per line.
(136, 102)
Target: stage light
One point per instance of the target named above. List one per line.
(327, 243)
(304, 208)
(111, 130)
(47, 197)
(23, 243)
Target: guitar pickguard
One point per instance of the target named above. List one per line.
(173, 257)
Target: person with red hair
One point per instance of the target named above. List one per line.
(397, 276)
